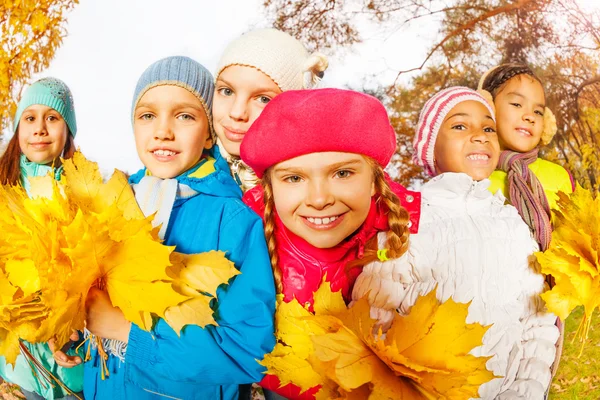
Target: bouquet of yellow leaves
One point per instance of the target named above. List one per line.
(572, 258)
(424, 355)
(80, 232)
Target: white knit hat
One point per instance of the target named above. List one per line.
(433, 114)
(278, 55)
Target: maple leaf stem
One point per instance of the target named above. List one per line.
(38, 369)
(583, 331)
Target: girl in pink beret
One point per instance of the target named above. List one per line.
(324, 195)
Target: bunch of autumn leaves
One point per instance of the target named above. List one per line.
(80, 232)
(70, 235)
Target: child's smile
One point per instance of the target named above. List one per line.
(42, 134)
(480, 158)
(520, 109)
(323, 197)
(164, 154)
(171, 130)
(241, 93)
(467, 141)
(324, 223)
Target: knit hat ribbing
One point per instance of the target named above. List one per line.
(53, 93)
(278, 55)
(430, 120)
(178, 71)
(299, 122)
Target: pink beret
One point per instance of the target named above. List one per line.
(299, 122)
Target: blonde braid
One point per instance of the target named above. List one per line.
(269, 219)
(398, 218)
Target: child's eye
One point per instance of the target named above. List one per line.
(29, 118)
(146, 116)
(540, 113)
(459, 127)
(293, 179)
(225, 91)
(489, 129)
(343, 173)
(515, 105)
(186, 117)
(264, 99)
(52, 118)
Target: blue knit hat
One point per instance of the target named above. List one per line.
(53, 93)
(178, 71)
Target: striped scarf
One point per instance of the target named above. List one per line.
(527, 194)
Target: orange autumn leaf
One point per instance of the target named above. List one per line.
(573, 257)
(76, 233)
(425, 355)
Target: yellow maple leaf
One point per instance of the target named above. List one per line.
(572, 257)
(80, 232)
(425, 355)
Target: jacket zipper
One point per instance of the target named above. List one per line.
(162, 395)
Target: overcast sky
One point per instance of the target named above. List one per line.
(111, 42)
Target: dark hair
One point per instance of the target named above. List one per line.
(10, 171)
(497, 78)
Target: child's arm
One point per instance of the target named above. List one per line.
(226, 354)
(538, 345)
(396, 283)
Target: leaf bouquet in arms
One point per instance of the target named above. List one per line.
(79, 233)
(572, 258)
(424, 355)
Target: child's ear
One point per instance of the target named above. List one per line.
(373, 188)
(209, 142)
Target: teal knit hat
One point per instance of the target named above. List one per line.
(178, 71)
(53, 93)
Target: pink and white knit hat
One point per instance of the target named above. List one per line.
(432, 115)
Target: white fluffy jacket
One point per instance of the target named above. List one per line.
(474, 248)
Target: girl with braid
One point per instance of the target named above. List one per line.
(524, 125)
(530, 183)
(470, 247)
(324, 196)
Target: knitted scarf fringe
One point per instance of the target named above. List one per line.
(527, 194)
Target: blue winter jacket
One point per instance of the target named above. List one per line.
(206, 363)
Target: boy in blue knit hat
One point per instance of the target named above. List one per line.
(44, 128)
(187, 185)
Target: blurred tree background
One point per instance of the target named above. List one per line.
(557, 38)
(31, 31)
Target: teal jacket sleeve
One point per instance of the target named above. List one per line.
(23, 375)
(224, 354)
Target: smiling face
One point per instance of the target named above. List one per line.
(520, 107)
(323, 197)
(171, 130)
(467, 141)
(241, 93)
(42, 134)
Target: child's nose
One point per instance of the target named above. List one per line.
(239, 110)
(164, 130)
(319, 195)
(40, 127)
(529, 117)
(480, 137)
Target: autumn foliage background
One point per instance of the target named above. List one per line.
(556, 37)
